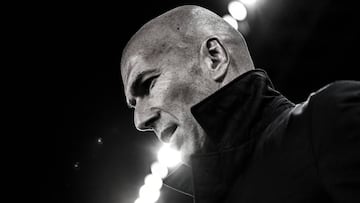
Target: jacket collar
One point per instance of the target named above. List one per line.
(233, 117)
(239, 110)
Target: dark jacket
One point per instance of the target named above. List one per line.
(263, 148)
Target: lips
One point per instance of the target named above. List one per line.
(167, 133)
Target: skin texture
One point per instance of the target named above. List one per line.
(173, 62)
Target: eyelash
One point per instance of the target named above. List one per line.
(149, 83)
(143, 89)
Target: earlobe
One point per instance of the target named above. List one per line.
(216, 58)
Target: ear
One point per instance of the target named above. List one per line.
(215, 57)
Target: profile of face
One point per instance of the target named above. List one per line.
(163, 86)
(171, 64)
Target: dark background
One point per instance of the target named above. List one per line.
(73, 54)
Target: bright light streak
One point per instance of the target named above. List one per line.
(153, 181)
(249, 2)
(232, 21)
(237, 10)
(159, 170)
(168, 156)
(149, 193)
(141, 200)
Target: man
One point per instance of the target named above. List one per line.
(190, 79)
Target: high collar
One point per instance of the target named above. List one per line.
(239, 110)
(233, 117)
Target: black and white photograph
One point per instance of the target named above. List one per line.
(191, 101)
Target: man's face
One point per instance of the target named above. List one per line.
(162, 90)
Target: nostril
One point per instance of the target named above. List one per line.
(146, 122)
(150, 123)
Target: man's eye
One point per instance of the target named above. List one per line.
(149, 83)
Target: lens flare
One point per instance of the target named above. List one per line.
(237, 10)
(159, 170)
(153, 181)
(249, 2)
(149, 193)
(169, 157)
(232, 21)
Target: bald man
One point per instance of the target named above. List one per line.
(190, 78)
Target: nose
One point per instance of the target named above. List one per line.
(145, 118)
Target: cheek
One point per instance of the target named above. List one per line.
(182, 93)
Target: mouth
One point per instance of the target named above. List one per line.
(167, 133)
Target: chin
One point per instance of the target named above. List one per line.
(185, 158)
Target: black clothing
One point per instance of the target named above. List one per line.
(263, 148)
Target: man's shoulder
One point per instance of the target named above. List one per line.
(335, 136)
(330, 98)
(334, 97)
(330, 108)
(335, 108)
(337, 91)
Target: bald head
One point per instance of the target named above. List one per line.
(184, 29)
(172, 63)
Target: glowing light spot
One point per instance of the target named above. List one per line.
(149, 193)
(100, 140)
(153, 181)
(237, 10)
(168, 156)
(232, 21)
(76, 165)
(159, 170)
(249, 2)
(141, 200)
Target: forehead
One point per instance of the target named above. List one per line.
(150, 58)
(128, 67)
(134, 65)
